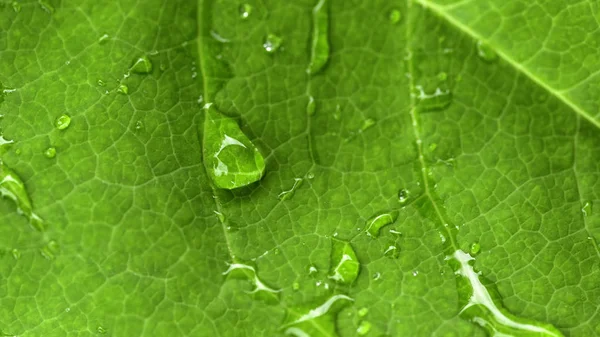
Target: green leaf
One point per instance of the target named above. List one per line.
(473, 125)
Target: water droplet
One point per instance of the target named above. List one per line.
(485, 52)
(218, 37)
(319, 52)
(245, 11)
(311, 106)
(363, 328)
(437, 100)
(415, 273)
(363, 312)
(403, 196)
(395, 232)
(62, 122)
(392, 251)
(139, 125)
(200, 100)
(376, 276)
(249, 272)
(289, 193)
(272, 43)
(230, 158)
(395, 16)
(442, 76)
(16, 6)
(432, 147)
(50, 250)
(50, 152)
(123, 89)
(16, 254)
(482, 308)
(12, 187)
(475, 248)
(101, 330)
(587, 209)
(312, 270)
(375, 223)
(367, 123)
(68, 310)
(310, 175)
(315, 320)
(4, 141)
(46, 6)
(296, 286)
(344, 264)
(220, 216)
(142, 65)
(102, 39)
(337, 115)
(101, 83)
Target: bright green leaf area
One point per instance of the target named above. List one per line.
(477, 121)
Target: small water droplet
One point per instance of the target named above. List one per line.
(319, 52)
(403, 195)
(310, 175)
(311, 106)
(46, 6)
(101, 83)
(395, 16)
(272, 43)
(249, 272)
(139, 125)
(392, 251)
(123, 89)
(16, 254)
(230, 158)
(363, 328)
(50, 152)
(12, 187)
(395, 232)
(432, 147)
(337, 115)
(475, 248)
(220, 216)
(376, 276)
(16, 6)
(289, 193)
(68, 310)
(312, 270)
(375, 223)
(102, 39)
(344, 264)
(442, 76)
(141, 65)
(415, 273)
(296, 286)
(367, 123)
(101, 330)
(62, 122)
(587, 209)
(215, 35)
(485, 52)
(245, 11)
(437, 100)
(363, 312)
(50, 250)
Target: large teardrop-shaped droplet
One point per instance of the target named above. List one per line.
(230, 158)
(12, 187)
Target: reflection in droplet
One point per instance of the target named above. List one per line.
(344, 264)
(245, 11)
(378, 221)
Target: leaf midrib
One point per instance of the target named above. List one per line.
(439, 10)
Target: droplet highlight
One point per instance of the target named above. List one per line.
(378, 221)
(230, 158)
(319, 52)
(344, 264)
(272, 43)
(403, 196)
(245, 10)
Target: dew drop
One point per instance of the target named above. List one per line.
(475, 248)
(344, 264)
(101, 83)
(392, 251)
(12, 187)
(102, 39)
(311, 106)
(230, 158)
(62, 122)
(312, 270)
(313, 320)
(296, 286)
(363, 328)
(139, 125)
(50, 152)
(272, 43)
(442, 76)
(363, 312)
(16, 6)
(367, 123)
(290, 193)
(403, 196)
(16, 254)
(249, 272)
(123, 89)
(245, 10)
(437, 100)
(432, 147)
(310, 175)
(200, 100)
(587, 209)
(485, 52)
(319, 53)
(220, 216)
(141, 65)
(395, 16)
(375, 223)
(101, 330)
(415, 273)
(376, 276)
(46, 6)
(50, 250)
